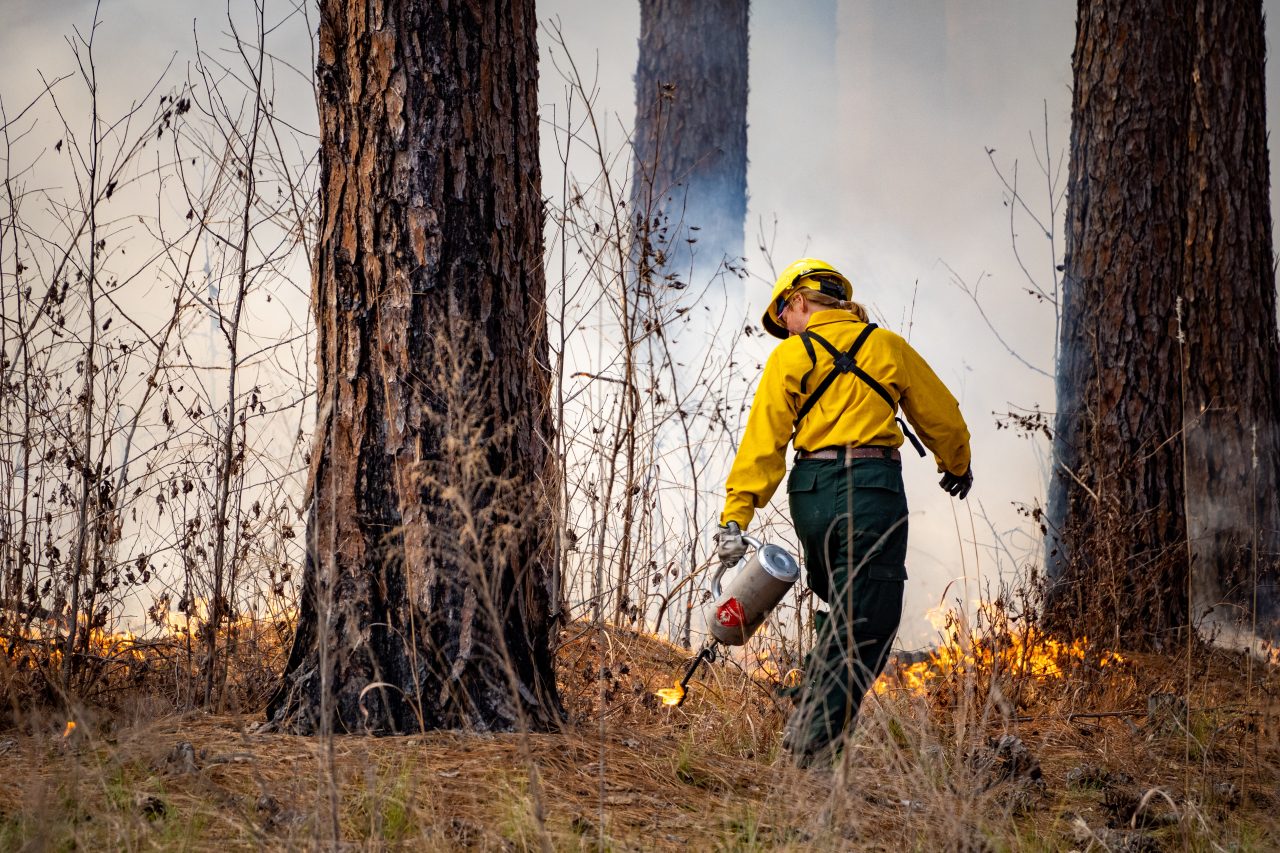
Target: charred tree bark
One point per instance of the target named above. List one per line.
(1232, 355)
(691, 133)
(1161, 505)
(426, 599)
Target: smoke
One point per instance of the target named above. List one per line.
(868, 130)
(869, 124)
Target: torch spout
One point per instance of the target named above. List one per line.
(707, 652)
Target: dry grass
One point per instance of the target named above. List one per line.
(163, 668)
(630, 774)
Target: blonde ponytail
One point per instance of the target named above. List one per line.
(854, 308)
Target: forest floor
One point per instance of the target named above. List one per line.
(965, 762)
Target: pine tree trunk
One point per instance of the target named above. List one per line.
(691, 132)
(426, 599)
(1168, 341)
(1232, 357)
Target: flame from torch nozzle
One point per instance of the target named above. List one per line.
(675, 696)
(671, 695)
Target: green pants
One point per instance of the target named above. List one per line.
(851, 520)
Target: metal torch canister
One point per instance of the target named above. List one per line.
(761, 581)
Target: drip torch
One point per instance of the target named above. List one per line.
(735, 613)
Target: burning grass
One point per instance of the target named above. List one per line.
(980, 754)
(166, 664)
(1013, 658)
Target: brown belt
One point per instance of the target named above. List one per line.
(851, 453)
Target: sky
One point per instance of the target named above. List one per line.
(875, 131)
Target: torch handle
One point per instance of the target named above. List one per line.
(715, 580)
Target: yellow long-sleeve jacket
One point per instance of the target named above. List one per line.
(848, 413)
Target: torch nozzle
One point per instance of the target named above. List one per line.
(707, 652)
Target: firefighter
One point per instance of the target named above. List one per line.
(834, 386)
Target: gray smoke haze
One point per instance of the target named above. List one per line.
(869, 125)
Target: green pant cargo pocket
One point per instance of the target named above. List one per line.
(804, 499)
(802, 479)
(887, 572)
(879, 475)
(879, 526)
(811, 513)
(878, 608)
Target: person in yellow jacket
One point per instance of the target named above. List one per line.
(833, 387)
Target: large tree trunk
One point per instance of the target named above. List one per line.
(691, 132)
(426, 600)
(1167, 385)
(1229, 305)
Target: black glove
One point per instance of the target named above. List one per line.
(957, 485)
(730, 547)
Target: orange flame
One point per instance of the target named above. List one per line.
(670, 695)
(71, 727)
(42, 643)
(1026, 650)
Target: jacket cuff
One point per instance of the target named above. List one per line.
(739, 512)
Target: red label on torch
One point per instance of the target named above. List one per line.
(730, 614)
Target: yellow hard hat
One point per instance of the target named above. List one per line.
(806, 272)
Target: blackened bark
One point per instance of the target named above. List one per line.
(426, 599)
(691, 132)
(1159, 417)
(1232, 350)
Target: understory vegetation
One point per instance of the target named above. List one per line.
(999, 740)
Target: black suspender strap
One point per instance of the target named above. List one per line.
(911, 436)
(846, 362)
(813, 363)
